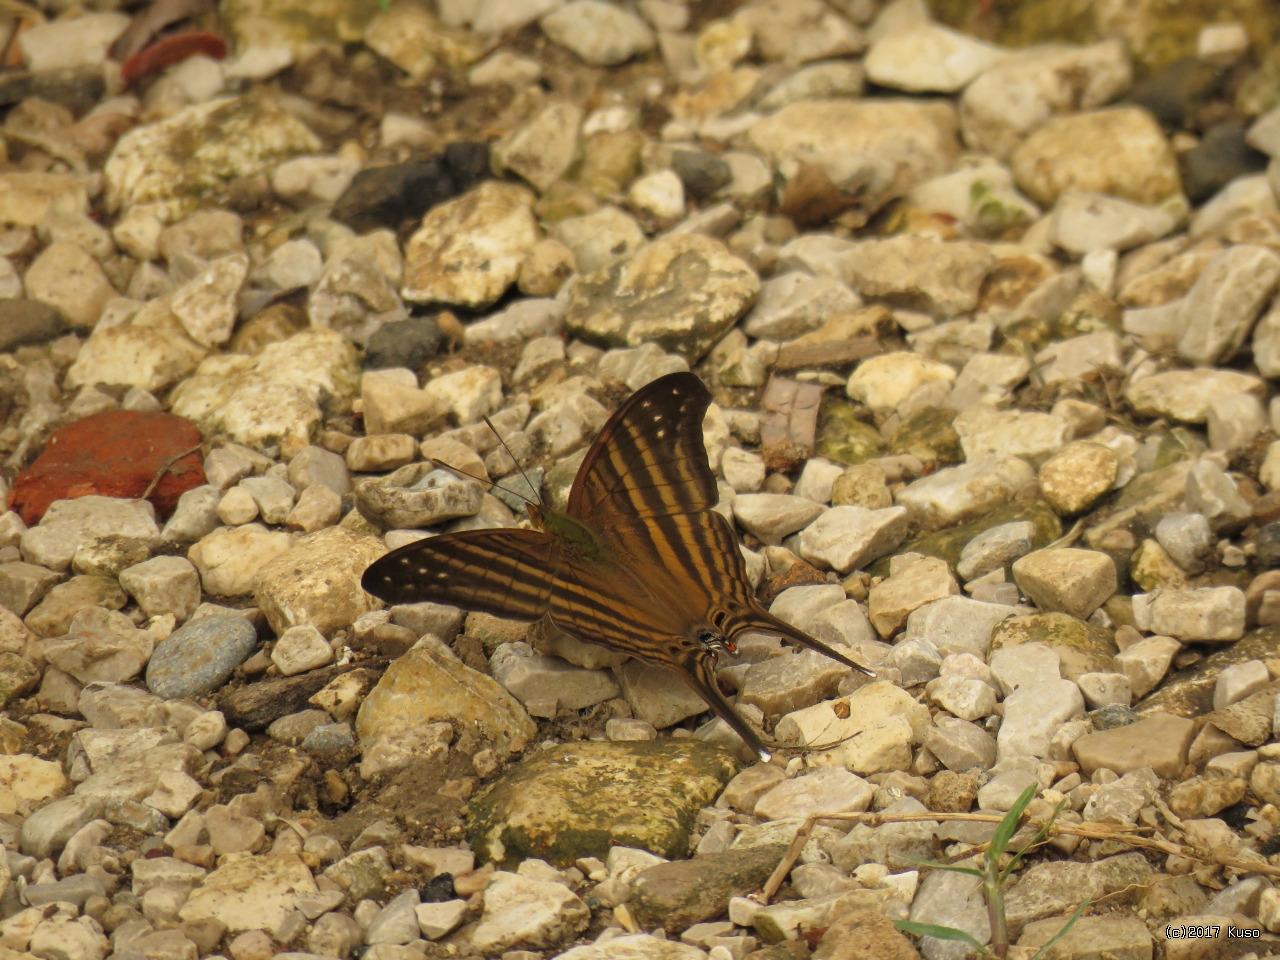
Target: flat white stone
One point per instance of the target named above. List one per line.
(929, 58)
(847, 537)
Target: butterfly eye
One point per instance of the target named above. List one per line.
(714, 643)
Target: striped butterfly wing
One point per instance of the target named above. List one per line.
(508, 573)
(733, 609)
(649, 460)
(652, 571)
(650, 608)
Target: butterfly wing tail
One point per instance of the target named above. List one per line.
(701, 677)
(759, 619)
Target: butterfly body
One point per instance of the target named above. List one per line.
(638, 562)
(570, 535)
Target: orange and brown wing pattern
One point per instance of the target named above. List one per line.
(649, 460)
(507, 573)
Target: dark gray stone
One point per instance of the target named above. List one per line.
(199, 656)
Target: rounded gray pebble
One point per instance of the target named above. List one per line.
(199, 656)
(330, 739)
(1112, 716)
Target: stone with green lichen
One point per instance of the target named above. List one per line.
(578, 800)
(947, 544)
(196, 156)
(1083, 647)
(1141, 504)
(1189, 693)
(1152, 568)
(996, 208)
(1156, 32)
(1031, 331)
(301, 25)
(1090, 312)
(678, 894)
(928, 435)
(843, 436)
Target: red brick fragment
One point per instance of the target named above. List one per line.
(167, 51)
(113, 454)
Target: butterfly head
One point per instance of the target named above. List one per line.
(536, 515)
(715, 643)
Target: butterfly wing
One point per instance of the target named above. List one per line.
(734, 608)
(650, 619)
(713, 592)
(649, 460)
(507, 573)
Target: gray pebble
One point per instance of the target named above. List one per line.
(199, 656)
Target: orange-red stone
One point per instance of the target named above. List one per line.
(113, 454)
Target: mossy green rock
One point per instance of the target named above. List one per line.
(1083, 647)
(947, 544)
(580, 799)
(843, 436)
(678, 894)
(1143, 503)
(928, 434)
(1189, 692)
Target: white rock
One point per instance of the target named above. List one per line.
(300, 649)
(1206, 613)
(659, 194)
(1025, 664)
(1146, 662)
(929, 58)
(846, 537)
(1084, 223)
(1250, 195)
(1033, 712)
(825, 791)
(965, 697)
(602, 34)
(437, 920)
(536, 914)
(69, 43)
(1225, 301)
(1105, 689)
(1238, 681)
(771, 516)
(955, 494)
(987, 433)
(884, 381)
(1019, 94)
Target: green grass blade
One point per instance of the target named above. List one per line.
(1040, 835)
(1063, 932)
(939, 932)
(934, 864)
(1008, 826)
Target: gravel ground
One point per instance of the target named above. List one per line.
(989, 315)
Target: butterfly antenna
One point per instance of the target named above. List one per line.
(516, 460)
(440, 464)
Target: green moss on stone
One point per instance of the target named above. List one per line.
(578, 800)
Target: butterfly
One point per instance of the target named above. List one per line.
(638, 562)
